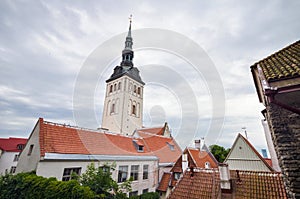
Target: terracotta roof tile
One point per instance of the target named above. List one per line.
(283, 64)
(11, 144)
(164, 182)
(253, 184)
(56, 138)
(156, 130)
(194, 185)
(205, 183)
(201, 157)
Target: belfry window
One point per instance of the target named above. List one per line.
(111, 88)
(119, 85)
(133, 112)
(112, 110)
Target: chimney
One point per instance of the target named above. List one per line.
(184, 163)
(197, 144)
(225, 181)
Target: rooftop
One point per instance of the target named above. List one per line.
(284, 64)
(12, 144)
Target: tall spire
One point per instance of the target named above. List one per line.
(127, 53)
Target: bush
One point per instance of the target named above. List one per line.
(150, 195)
(28, 185)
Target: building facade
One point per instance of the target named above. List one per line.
(277, 82)
(9, 153)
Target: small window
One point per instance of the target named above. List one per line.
(16, 158)
(134, 88)
(145, 191)
(115, 87)
(112, 110)
(13, 169)
(145, 172)
(177, 175)
(119, 86)
(133, 193)
(20, 146)
(133, 110)
(140, 148)
(123, 172)
(207, 165)
(30, 149)
(139, 91)
(67, 175)
(134, 174)
(171, 146)
(111, 88)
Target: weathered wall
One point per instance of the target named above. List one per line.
(285, 131)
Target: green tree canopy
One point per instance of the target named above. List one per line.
(219, 152)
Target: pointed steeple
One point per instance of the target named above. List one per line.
(127, 53)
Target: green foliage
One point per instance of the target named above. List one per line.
(150, 195)
(219, 152)
(29, 185)
(100, 181)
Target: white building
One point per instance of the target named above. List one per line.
(9, 153)
(55, 150)
(123, 105)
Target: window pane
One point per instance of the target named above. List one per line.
(134, 172)
(122, 174)
(145, 171)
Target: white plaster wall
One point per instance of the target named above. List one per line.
(122, 121)
(27, 162)
(7, 161)
(56, 168)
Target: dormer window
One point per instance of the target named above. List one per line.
(207, 165)
(171, 146)
(20, 146)
(138, 145)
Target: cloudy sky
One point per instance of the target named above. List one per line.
(47, 50)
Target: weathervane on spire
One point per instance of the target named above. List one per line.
(130, 18)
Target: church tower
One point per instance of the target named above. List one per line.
(123, 104)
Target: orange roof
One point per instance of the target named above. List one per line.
(11, 144)
(201, 157)
(164, 182)
(165, 148)
(205, 183)
(194, 185)
(156, 130)
(269, 162)
(56, 138)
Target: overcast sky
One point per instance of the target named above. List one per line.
(45, 47)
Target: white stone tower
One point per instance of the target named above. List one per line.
(123, 104)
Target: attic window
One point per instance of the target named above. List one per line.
(138, 145)
(20, 146)
(30, 149)
(177, 175)
(171, 146)
(207, 165)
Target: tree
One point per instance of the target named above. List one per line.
(100, 181)
(219, 152)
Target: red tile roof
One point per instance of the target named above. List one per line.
(156, 130)
(205, 183)
(11, 144)
(56, 138)
(164, 182)
(254, 184)
(201, 157)
(201, 184)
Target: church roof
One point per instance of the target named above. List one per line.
(283, 64)
(131, 72)
(63, 139)
(12, 144)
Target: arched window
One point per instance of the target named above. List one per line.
(111, 88)
(139, 91)
(207, 165)
(134, 88)
(133, 112)
(119, 86)
(112, 110)
(115, 87)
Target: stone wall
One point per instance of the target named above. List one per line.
(285, 131)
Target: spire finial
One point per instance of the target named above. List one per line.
(130, 19)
